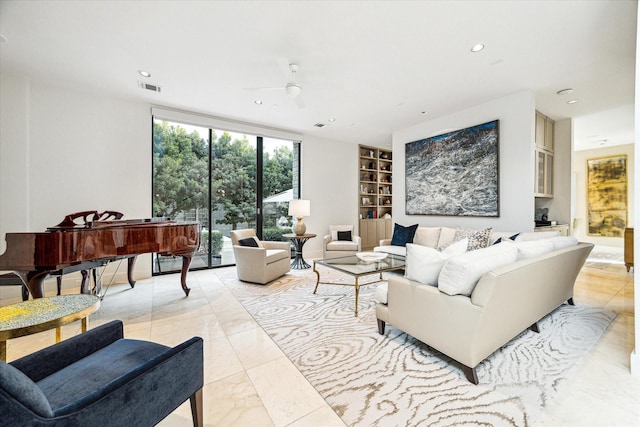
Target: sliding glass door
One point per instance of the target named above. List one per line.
(225, 181)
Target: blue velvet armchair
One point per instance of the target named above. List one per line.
(99, 378)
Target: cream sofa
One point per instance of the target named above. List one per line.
(504, 302)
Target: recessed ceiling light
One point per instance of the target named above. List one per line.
(564, 91)
(144, 73)
(477, 48)
(572, 101)
(332, 120)
(257, 102)
(423, 112)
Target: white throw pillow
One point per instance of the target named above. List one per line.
(456, 248)
(563, 242)
(423, 264)
(460, 273)
(533, 248)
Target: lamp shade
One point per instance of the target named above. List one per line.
(299, 208)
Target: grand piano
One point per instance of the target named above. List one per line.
(85, 240)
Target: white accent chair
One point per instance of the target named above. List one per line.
(334, 248)
(261, 264)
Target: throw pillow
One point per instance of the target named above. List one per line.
(344, 235)
(456, 248)
(533, 248)
(460, 273)
(249, 241)
(17, 385)
(563, 242)
(423, 264)
(502, 239)
(403, 235)
(478, 239)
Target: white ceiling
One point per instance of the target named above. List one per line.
(373, 66)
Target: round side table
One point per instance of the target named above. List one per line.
(298, 241)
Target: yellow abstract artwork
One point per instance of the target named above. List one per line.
(607, 196)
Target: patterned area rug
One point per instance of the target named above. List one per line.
(395, 380)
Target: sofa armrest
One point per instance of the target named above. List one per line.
(358, 240)
(52, 359)
(249, 254)
(326, 240)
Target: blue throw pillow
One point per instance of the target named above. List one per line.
(403, 235)
(249, 241)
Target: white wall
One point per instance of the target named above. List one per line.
(64, 151)
(330, 181)
(517, 115)
(580, 171)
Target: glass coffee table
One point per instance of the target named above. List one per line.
(354, 266)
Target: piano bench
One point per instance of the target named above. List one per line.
(12, 279)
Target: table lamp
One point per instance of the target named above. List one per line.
(299, 208)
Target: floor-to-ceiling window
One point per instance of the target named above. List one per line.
(225, 181)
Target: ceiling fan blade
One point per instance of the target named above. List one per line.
(263, 88)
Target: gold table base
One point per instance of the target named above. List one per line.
(42, 314)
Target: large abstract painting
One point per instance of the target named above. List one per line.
(454, 174)
(607, 196)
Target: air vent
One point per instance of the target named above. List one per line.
(319, 125)
(150, 87)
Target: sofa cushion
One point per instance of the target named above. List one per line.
(333, 229)
(423, 264)
(342, 245)
(251, 242)
(20, 387)
(478, 239)
(460, 273)
(427, 236)
(344, 236)
(274, 255)
(395, 250)
(403, 235)
(381, 293)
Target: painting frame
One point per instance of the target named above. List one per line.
(456, 173)
(607, 196)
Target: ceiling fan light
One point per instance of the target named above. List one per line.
(293, 90)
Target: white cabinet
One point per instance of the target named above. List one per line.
(544, 156)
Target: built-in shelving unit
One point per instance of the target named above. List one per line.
(375, 169)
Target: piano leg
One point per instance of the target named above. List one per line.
(131, 264)
(186, 262)
(86, 281)
(34, 281)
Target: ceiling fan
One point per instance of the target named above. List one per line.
(292, 88)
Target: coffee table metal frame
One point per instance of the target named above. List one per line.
(41, 314)
(354, 266)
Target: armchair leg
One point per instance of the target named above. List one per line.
(196, 408)
(381, 325)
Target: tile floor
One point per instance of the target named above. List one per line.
(250, 382)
